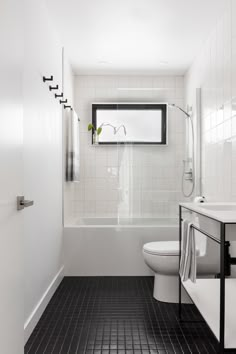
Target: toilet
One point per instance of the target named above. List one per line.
(162, 257)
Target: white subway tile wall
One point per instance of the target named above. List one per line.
(214, 70)
(128, 181)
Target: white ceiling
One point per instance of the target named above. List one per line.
(133, 36)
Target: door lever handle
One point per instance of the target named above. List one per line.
(22, 203)
(27, 203)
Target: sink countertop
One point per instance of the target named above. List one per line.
(225, 216)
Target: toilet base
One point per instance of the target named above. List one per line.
(166, 289)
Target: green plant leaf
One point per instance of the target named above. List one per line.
(90, 126)
(99, 130)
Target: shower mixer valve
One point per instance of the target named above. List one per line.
(188, 171)
(188, 175)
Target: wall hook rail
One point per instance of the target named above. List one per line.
(47, 78)
(53, 87)
(58, 95)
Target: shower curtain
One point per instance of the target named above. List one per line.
(72, 146)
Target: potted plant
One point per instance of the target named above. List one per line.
(97, 132)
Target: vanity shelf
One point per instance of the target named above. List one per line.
(214, 298)
(206, 296)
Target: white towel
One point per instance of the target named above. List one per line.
(72, 146)
(188, 262)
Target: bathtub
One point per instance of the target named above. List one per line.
(112, 246)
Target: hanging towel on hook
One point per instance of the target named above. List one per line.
(188, 261)
(72, 146)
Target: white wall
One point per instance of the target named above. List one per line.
(42, 163)
(140, 181)
(214, 70)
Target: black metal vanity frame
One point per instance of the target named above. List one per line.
(225, 261)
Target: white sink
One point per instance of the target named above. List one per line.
(217, 207)
(213, 226)
(208, 216)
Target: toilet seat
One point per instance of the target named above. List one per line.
(162, 248)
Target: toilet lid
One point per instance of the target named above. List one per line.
(162, 248)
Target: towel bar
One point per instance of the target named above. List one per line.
(206, 234)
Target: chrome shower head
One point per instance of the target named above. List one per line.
(173, 105)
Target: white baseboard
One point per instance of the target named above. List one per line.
(34, 317)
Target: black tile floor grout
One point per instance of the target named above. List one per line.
(116, 315)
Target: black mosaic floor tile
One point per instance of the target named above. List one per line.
(115, 315)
